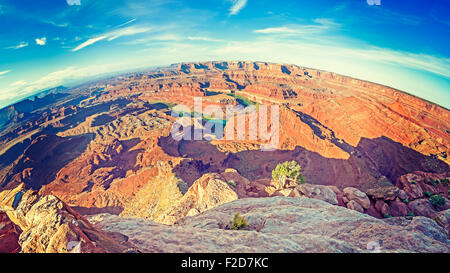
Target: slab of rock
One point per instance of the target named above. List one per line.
(382, 207)
(320, 192)
(207, 192)
(358, 196)
(353, 205)
(443, 219)
(295, 193)
(402, 195)
(281, 224)
(422, 207)
(9, 235)
(417, 183)
(398, 208)
(385, 193)
(50, 226)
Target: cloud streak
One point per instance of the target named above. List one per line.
(20, 45)
(321, 25)
(89, 42)
(204, 39)
(237, 6)
(112, 35)
(74, 2)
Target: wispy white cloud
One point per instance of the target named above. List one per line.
(127, 23)
(89, 42)
(128, 31)
(166, 37)
(276, 30)
(41, 41)
(3, 73)
(18, 83)
(20, 45)
(321, 25)
(432, 64)
(237, 6)
(205, 39)
(112, 35)
(74, 2)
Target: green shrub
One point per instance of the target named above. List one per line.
(288, 170)
(413, 181)
(411, 214)
(406, 201)
(387, 216)
(232, 183)
(427, 193)
(238, 222)
(437, 201)
(445, 182)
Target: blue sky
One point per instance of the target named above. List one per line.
(400, 43)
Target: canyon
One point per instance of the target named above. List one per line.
(102, 155)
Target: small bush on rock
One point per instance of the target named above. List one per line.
(437, 201)
(238, 222)
(288, 170)
(232, 183)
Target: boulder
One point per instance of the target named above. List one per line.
(353, 205)
(385, 193)
(414, 191)
(320, 192)
(422, 207)
(402, 195)
(382, 207)
(398, 208)
(49, 225)
(443, 219)
(372, 211)
(207, 192)
(358, 196)
(335, 189)
(295, 193)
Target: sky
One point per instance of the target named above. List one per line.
(400, 43)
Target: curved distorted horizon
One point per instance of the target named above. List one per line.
(401, 44)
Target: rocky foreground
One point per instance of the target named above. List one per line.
(34, 223)
(282, 224)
